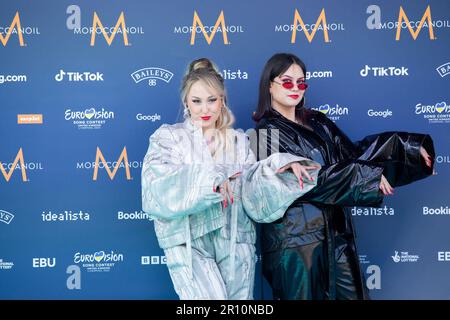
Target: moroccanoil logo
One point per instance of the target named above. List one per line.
(310, 29)
(109, 33)
(19, 157)
(209, 31)
(403, 17)
(111, 167)
(14, 24)
(404, 22)
(122, 158)
(98, 24)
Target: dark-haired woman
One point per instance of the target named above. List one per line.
(310, 252)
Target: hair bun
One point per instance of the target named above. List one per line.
(202, 63)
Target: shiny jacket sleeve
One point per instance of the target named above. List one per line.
(347, 183)
(399, 154)
(172, 189)
(266, 195)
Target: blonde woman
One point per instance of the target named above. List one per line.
(204, 189)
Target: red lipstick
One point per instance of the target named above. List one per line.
(206, 118)
(294, 96)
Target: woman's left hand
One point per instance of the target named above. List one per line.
(299, 171)
(426, 157)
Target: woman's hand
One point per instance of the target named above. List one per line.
(385, 187)
(426, 157)
(299, 171)
(225, 189)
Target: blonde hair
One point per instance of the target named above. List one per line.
(204, 70)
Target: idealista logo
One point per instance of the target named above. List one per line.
(152, 74)
(435, 113)
(441, 211)
(109, 33)
(6, 217)
(228, 74)
(403, 22)
(66, 215)
(333, 113)
(78, 76)
(147, 260)
(384, 71)
(310, 29)
(16, 28)
(404, 256)
(4, 265)
(368, 211)
(209, 31)
(98, 261)
(100, 162)
(444, 70)
(30, 119)
(379, 113)
(89, 118)
(19, 164)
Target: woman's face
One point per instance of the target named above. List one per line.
(285, 98)
(204, 103)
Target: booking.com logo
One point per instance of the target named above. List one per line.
(79, 76)
(13, 78)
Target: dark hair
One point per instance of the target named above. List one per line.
(275, 66)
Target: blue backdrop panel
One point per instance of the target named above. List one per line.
(75, 98)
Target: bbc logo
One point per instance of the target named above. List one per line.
(146, 260)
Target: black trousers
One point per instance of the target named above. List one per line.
(303, 272)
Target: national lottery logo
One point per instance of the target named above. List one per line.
(6, 265)
(404, 256)
(6, 217)
(99, 261)
(152, 74)
(438, 112)
(90, 118)
(75, 76)
(333, 112)
(383, 71)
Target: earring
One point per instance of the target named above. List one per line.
(186, 112)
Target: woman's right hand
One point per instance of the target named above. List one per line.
(226, 191)
(385, 187)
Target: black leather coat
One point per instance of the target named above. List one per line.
(350, 176)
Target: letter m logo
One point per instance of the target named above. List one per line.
(321, 19)
(123, 157)
(14, 23)
(209, 38)
(8, 175)
(403, 17)
(109, 39)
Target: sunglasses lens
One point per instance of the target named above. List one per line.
(302, 86)
(288, 85)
